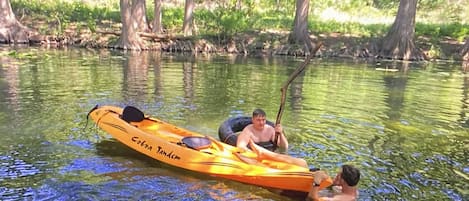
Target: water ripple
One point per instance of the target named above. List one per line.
(12, 168)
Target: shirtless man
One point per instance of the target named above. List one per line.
(260, 132)
(347, 180)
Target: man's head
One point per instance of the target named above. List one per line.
(258, 113)
(258, 118)
(348, 174)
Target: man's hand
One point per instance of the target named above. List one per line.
(320, 176)
(278, 128)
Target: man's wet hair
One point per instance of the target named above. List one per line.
(258, 113)
(350, 175)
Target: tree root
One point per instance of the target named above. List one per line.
(464, 52)
(15, 33)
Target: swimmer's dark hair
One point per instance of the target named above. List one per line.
(350, 175)
(258, 113)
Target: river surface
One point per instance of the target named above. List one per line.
(407, 131)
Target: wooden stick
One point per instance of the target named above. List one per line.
(285, 86)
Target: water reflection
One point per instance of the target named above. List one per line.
(465, 99)
(188, 69)
(155, 61)
(9, 69)
(406, 130)
(296, 91)
(395, 89)
(135, 84)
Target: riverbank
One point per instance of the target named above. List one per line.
(269, 42)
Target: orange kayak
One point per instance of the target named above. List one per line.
(196, 152)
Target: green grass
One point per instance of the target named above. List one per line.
(226, 22)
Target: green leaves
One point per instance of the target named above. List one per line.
(234, 22)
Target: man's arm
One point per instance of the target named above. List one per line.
(319, 176)
(243, 139)
(313, 194)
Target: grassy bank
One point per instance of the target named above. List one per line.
(357, 21)
(226, 21)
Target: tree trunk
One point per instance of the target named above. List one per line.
(157, 25)
(399, 42)
(238, 5)
(129, 39)
(300, 34)
(12, 31)
(188, 18)
(139, 11)
(465, 50)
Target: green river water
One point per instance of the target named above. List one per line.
(407, 131)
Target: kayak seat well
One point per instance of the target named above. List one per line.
(196, 142)
(135, 117)
(132, 114)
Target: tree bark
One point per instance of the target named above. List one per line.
(188, 18)
(238, 5)
(157, 25)
(300, 34)
(140, 14)
(12, 31)
(399, 41)
(129, 39)
(465, 50)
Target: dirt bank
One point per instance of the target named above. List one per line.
(249, 43)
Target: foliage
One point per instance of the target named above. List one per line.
(273, 19)
(233, 22)
(224, 21)
(173, 18)
(204, 18)
(452, 30)
(353, 28)
(385, 4)
(65, 12)
(435, 18)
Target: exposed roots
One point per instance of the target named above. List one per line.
(464, 52)
(15, 33)
(400, 48)
(127, 44)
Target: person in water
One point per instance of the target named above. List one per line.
(346, 180)
(261, 133)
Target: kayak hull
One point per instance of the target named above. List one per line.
(164, 142)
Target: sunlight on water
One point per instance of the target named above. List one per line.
(407, 131)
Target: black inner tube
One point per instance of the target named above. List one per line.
(228, 131)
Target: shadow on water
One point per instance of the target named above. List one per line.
(219, 188)
(110, 148)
